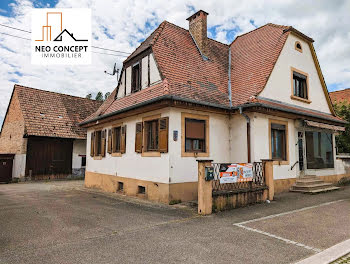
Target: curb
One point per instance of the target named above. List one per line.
(329, 255)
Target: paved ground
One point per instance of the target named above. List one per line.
(61, 222)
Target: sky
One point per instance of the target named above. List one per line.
(123, 24)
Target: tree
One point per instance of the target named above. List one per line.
(89, 96)
(342, 109)
(99, 96)
(106, 95)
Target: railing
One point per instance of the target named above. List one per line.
(258, 178)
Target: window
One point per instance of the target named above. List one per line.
(120, 186)
(195, 135)
(98, 143)
(152, 136)
(98, 140)
(136, 78)
(278, 142)
(151, 130)
(300, 85)
(116, 136)
(141, 189)
(319, 150)
(298, 46)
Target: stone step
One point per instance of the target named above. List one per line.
(309, 177)
(316, 191)
(308, 181)
(309, 187)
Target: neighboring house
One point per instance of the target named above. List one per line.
(183, 96)
(340, 96)
(40, 135)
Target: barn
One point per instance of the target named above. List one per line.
(40, 137)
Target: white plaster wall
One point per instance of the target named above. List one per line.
(238, 128)
(128, 80)
(132, 164)
(79, 148)
(278, 86)
(185, 169)
(154, 72)
(144, 74)
(19, 166)
(121, 86)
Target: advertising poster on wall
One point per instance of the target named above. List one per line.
(236, 172)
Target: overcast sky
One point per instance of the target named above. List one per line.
(123, 24)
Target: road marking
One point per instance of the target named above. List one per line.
(289, 212)
(288, 241)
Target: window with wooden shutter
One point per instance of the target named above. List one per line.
(195, 135)
(123, 139)
(109, 148)
(116, 139)
(98, 141)
(92, 144)
(163, 134)
(151, 135)
(103, 143)
(138, 137)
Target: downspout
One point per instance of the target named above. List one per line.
(248, 131)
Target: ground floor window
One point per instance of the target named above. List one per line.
(195, 135)
(278, 142)
(319, 150)
(151, 130)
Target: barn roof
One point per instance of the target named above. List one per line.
(52, 114)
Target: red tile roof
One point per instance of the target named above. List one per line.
(186, 75)
(340, 96)
(52, 114)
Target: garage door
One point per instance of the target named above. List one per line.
(6, 163)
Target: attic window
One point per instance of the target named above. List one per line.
(42, 114)
(60, 117)
(298, 46)
(136, 78)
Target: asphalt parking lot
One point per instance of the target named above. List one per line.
(62, 222)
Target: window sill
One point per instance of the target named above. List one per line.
(280, 162)
(195, 154)
(293, 97)
(116, 154)
(150, 154)
(97, 157)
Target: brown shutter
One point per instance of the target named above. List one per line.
(138, 137)
(92, 144)
(195, 129)
(109, 147)
(163, 134)
(123, 139)
(103, 143)
(113, 140)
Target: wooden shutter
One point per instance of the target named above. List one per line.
(163, 134)
(113, 140)
(103, 143)
(123, 139)
(138, 137)
(92, 144)
(109, 147)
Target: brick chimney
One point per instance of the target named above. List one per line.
(198, 30)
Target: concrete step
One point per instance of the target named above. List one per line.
(309, 187)
(316, 191)
(309, 177)
(308, 181)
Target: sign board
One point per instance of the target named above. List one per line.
(236, 172)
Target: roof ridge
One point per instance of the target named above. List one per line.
(27, 87)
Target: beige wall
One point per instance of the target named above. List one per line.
(79, 148)
(278, 86)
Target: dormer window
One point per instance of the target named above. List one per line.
(300, 83)
(298, 46)
(136, 78)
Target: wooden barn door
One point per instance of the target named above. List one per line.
(49, 158)
(6, 164)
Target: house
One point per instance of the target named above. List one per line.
(40, 137)
(340, 96)
(182, 96)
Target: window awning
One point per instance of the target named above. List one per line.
(325, 126)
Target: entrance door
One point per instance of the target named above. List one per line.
(301, 153)
(6, 162)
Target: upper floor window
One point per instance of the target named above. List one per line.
(300, 85)
(298, 46)
(136, 78)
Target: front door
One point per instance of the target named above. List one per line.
(301, 153)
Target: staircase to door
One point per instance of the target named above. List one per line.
(312, 184)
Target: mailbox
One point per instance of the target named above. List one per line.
(209, 173)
